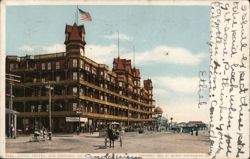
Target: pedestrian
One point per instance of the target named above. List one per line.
(92, 130)
(77, 130)
(12, 131)
(192, 131)
(196, 133)
(43, 131)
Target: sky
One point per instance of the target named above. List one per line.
(170, 44)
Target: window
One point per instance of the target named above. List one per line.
(81, 52)
(49, 66)
(74, 90)
(57, 78)
(43, 66)
(94, 70)
(120, 84)
(74, 76)
(39, 108)
(11, 66)
(74, 62)
(129, 79)
(81, 64)
(81, 76)
(66, 36)
(57, 65)
(43, 80)
(105, 75)
(81, 92)
(101, 73)
(74, 105)
(87, 68)
(32, 108)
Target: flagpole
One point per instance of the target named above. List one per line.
(77, 14)
(118, 43)
(75, 17)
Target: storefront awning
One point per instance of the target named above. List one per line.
(9, 111)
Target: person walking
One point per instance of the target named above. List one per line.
(196, 133)
(77, 130)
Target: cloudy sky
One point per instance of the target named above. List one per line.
(170, 45)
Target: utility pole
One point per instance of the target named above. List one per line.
(12, 118)
(128, 115)
(50, 87)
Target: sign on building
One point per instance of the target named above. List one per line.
(76, 119)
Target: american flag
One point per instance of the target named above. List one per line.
(84, 15)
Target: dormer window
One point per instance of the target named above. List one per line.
(66, 36)
(82, 36)
(74, 63)
(81, 52)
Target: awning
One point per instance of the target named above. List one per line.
(9, 111)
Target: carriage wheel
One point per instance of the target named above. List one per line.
(105, 142)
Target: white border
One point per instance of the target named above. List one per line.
(107, 2)
(2, 78)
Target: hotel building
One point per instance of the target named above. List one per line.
(85, 93)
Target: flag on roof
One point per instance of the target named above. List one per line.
(84, 15)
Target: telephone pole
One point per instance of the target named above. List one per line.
(50, 87)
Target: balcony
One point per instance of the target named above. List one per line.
(112, 93)
(23, 70)
(84, 114)
(39, 82)
(37, 98)
(46, 114)
(112, 117)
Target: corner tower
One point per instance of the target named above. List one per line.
(75, 39)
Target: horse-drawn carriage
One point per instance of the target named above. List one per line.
(113, 133)
(38, 135)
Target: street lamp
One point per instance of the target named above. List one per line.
(171, 122)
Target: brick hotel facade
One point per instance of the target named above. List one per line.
(84, 92)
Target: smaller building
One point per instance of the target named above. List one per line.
(191, 125)
(198, 124)
(158, 119)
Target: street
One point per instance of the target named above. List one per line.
(149, 142)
